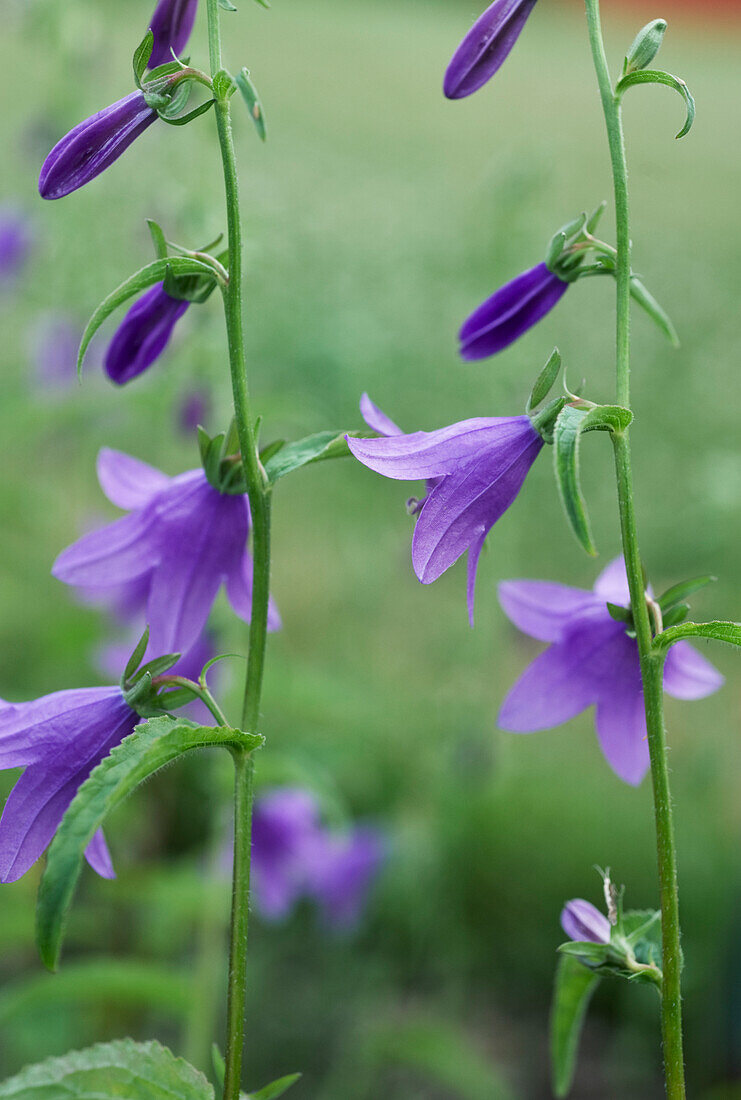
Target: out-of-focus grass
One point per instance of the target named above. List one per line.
(377, 216)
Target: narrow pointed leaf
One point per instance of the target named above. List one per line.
(275, 1088)
(158, 239)
(314, 448)
(566, 435)
(142, 54)
(153, 744)
(676, 614)
(730, 633)
(658, 315)
(545, 381)
(183, 120)
(134, 660)
(252, 100)
(656, 76)
(573, 990)
(678, 593)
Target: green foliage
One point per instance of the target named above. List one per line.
(566, 436)
(656, 76)
(275, 1088)
(545, 381)
(314, 448)
(717, 631)
(252, 101)
(572, 993)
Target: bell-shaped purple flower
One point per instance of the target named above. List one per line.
(583, 922)
(295, 856)
(477, 468)
(57, 740)
(143, 334)
(486, 47)
(180, 542)
(510, 312)
(93, 145)
(591, 661)
(171, 25)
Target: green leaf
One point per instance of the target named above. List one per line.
(730, 633)
(676, 614)
(275, 1088)
(153, 744)
(158, 239)
(142, 54)
(607, 418)
(176, 119)
(620, 614)
(658, 315)
(591, 954)
(226, 5)
(656, 76)
(595, 217)
(314, 448)
(125, 1069)
(545, 381)
(219, 1064)
(140, 280)
(566, 435)
(252, 100)
(133, 662)
(678, 593)
(573, 990)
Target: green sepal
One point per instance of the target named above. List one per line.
(140, 280)
(151, 746)
(135, 659)
(573, 990)
(678, 593)
(167, 68)
(160, 664)
(183, 120)
(544, 421)
(158, 239)
(620, 614)
(314, 448)
(717, 631)
(646, 45)
(271, 449)
(252, 101)
(676, 614)
(590, 954)
(141, 57)
(190, 288)
(275, 1088)
(566, 436)
(545, 381)
(156, 101)
(124, 1068)
(657, 314)
(657, 76)
(217, 1060)
(226, 5)
(263, 3)
(595, 217)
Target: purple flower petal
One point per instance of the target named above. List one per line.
(15, 244)
(99, 857)
(345, 870)
(689, 675)
(486, 47)
(621, 716)
(612, 584)
(118, 553)
(93, 145)
(542, 609)
(239, 593)
(172, 23)
(377, 420)
(584, 923)
(510, 312)
(127, 482)
(143, 334)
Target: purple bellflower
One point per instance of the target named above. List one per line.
(15, 245)
(171, 25)
(193, 410)
(474, 470)
(294, 856)
(58, 740)
(591, 660)
(583, 922)
(53, 341)
(510, 312)
(486, 47)
(143, 334)
(93, 145)
(180, 542)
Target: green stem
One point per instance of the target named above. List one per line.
(258, 492)
(651, 662)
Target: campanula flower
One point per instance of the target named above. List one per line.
(171, 25)
(143, 334)
(486, 47)
(510, 312)
(193, 410)
(15, 244)
(583, 922)
(93, 145)
(180, 542)
(474, 470)
(53, 341)
(295, 856)
(592, 661)
(58, 740)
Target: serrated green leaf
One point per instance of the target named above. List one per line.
(153, 744)
(140, 280)
(275, 1088)
(573, 990)
(658, 315)
(314, 448)
(717, 631)
(125, 1069)
(545, 380)
(252, 101)
(566, 435)
(678, 593)
(142, 54)
(656, 76)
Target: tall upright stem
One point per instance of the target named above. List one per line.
(258, 492)
(651, 662)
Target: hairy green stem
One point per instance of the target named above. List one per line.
(258, 492)
(651, 662)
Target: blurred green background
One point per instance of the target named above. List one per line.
(377, 216)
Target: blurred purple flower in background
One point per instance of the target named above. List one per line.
(93, 145)
(16, 239)
(486, 47)
(171, 25)
(143, 334)
(295, 857)
(583, 922)
(193, 410)
(53, 343)
(58, 740)
(510, 312)
(180, 542)
(474, 470)
(592, 661)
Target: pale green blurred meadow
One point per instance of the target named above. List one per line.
(377, 216)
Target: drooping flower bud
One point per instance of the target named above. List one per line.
(171, 25)
(646, 45)
(143, 334)
(486, 47)
(510, 312)
(93, 145)
(582, 922)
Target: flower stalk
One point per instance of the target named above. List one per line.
(258, 492)
(651, 662)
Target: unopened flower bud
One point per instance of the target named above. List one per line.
(582, 922)
(646, 45)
